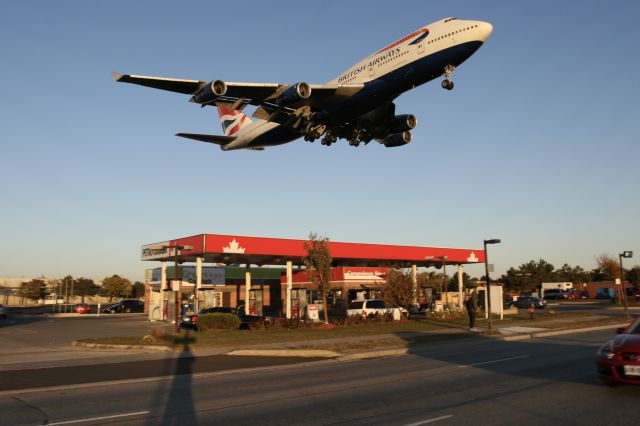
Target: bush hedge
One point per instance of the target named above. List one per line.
(218, 321)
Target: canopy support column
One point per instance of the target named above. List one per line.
(196, 301)
(289, 285)
(414, 279)
(247, 288)
(163, 288)
(460, 286)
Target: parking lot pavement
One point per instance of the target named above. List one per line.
(37, 341)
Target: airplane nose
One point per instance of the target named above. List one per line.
(486, 29)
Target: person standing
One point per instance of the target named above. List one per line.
(471, 306)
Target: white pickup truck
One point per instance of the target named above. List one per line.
(366, 307)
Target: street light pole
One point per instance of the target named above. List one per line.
(486, 269)
(623, 291)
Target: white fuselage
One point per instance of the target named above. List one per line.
(433, 40)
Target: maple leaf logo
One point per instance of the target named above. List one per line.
(233, 247)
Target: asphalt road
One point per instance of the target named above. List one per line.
(474, 381)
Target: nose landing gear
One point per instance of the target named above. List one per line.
(447, 83)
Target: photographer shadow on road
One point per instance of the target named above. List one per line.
(173, 403)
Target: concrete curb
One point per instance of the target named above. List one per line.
(306, 353)
(527, 336)
(374, 354)
(122, 347)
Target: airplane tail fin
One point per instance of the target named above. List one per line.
(232, 120)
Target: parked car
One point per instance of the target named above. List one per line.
(618, 360)
(191, 321)
(524, 302)
(3, 312)
(575, 294)
(374, 306)
(82, 308)
(554, 294)
(633, 292)
(124, 306)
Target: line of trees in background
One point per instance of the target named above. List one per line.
(529, 276)
(398, 287)
(112, 287)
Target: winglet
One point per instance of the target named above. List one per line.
(116, 75)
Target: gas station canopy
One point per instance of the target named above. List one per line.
(236, 249)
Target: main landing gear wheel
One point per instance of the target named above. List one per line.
(328, 140)
(447, 83)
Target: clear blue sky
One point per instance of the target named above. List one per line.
(537, 144)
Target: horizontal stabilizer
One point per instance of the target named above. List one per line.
(188, 87)
(218, 140)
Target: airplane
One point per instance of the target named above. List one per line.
(357, 105)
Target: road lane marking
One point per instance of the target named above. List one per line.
(494, 361)
(115, 416)
(436, 419)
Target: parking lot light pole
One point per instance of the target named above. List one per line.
(627, 255)
(486, 269)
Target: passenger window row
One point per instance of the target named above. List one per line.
(452, 33)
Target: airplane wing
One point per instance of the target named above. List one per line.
(264, 95)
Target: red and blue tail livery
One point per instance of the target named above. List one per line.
(232, 121)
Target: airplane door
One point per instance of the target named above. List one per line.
(372, 71)
(421, 47)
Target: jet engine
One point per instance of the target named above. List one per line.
(210, 92)
(403, 123)
(294, 94)
(398, 139)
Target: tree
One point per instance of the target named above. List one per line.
(397, 289)
(137, 290)
(6, 292)
(85, 287)
(528, 276)
(466, 281)
(318, 264)
(608, 268)
(115, 286)
(633, 276)
(65, 287)
(575, 275)
(34, 289)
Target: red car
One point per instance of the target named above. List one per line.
(618, 360)
(82, 308)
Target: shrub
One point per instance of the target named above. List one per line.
(218, 321)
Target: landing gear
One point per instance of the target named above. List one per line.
(447, 83)
(328, 139)
(314, 131)
(355, 138)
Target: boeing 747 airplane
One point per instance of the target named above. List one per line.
(357, 105)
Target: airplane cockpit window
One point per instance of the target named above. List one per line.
(450, 19)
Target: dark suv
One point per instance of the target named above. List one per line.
(124, 306)
(554, 294)
(525, 302)
(191, 321)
